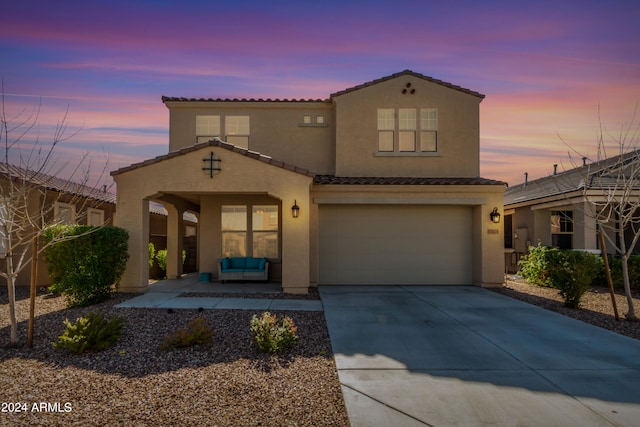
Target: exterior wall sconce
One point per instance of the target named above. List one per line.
(495, 215)
(211, 164)
(295, 209)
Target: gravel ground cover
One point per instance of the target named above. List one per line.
(596, 306)
(229, 383)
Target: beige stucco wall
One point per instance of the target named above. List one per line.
(357, 135)
(277, 129)
(182, 176)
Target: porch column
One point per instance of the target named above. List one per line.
(175, 238)
(295, 245)
(133, 216)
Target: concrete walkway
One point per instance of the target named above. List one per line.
(465, 356)
(166, 294)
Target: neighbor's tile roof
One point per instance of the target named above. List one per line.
(339, 180)
(216, 142)
(408, 73)
(592, 175)
(53, 183)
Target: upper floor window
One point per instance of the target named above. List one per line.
(414, 133)
(237, 130)
(386, 128)
(207, 127)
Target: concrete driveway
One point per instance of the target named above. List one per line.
(465, 356)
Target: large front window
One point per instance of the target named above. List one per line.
(250, 230)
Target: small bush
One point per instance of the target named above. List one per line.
(197, 332)
(90, 333)
(535, 266)
(573, 274)
(271, 336)
(152, 254)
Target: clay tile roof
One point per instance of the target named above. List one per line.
(53, 183)
(215, 142)
(339, 180)
(166, 99)
(408, 73)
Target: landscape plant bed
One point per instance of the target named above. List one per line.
(595, 308)
(228, 383)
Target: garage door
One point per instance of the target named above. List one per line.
(399, 244)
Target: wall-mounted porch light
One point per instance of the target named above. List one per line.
(211, 164)
(495, 215)
(295, 209)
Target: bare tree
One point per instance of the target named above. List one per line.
(29, 190)
(611, 188)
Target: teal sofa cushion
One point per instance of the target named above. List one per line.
(263, 262)
(253, 263)
(226, 263)
(238, 262)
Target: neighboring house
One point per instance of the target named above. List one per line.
(52, 200)
(378, 184)
(557, 210)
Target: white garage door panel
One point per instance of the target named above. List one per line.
(377, 244)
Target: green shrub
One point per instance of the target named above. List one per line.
(90, 333)
(272, 336)
(152, 254)
(197, 332)
(85, 263)
(573, 274)
(161, 257)
(615, 264)
(536, 264)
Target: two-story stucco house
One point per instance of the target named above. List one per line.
(378, 184)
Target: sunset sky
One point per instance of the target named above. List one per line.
(551, 70)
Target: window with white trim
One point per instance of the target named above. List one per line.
(415, 134)
(407, 129)
(236, 130)
(64, 213)
(429, 129)
(234, 231)
(207, 128)
(95, 217)
(386, 128)
(250, 229)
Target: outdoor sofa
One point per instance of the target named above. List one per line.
(243, 268)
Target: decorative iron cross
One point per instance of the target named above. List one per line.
(211, 164)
